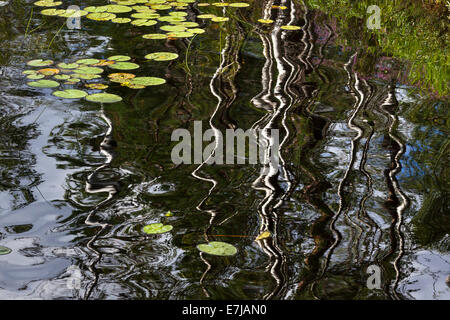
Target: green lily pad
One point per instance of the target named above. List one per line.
(178, 14)
(119, 58)
(266, 21)
(154, 36)
(161, 7)
(86, 76)
(290, 27)
(94, 9)
(121, 20)
(180, 34)
(70, 94)
(171, 19)
(239, 5)
(101, 16)
(35, 76)
(29, 72)
(161, 56)
(147, 81)
(196, 31)
(143, 22)
(43, 84)
(220, 19)
(157, 228)
(173, 28)
(52, 12)
(145, 15)
(68, 65)
(88, 61)
(124, 66)
(188, 24)
(206, 16)
(116, 8)
(47, 3)
(103, 98)
(221, 4)
(218, 248)
(89, 70)
(39, 63)
(142, 9)
(4, 250)
(71, 13)
(61, 77)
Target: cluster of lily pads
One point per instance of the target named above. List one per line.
(216, 248)
(89, 69)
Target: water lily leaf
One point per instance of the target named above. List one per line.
(44, 84)
(101, 16)
(103, 98)
(171, 19)
(239, 5)
(120, 77)
(154, 36)
(121, 20)
(220, 19)
(162, 6)
(279, 7)
(203, 4)
(71, 13)
(39, 63)
(143, 9)
(94, 9)
(161, 56)
(103, 63)
(196, 31)
(68, 65)
(132, 86)
(267, 21)
(263, 235)
(186, 1)
(72, 81)
(173, 28)
(96, 86)
(178, 14)
(180, 34)
(221, 4)
(88, 61)
(89, 70)
(156, 1)
(47, 3)
(188, 24)
(290, 28)
(29, 72)
(145, 15)
(147, 81)
(4, 250)
(126, 2)
(70, 94)
(48, 71)
(143, 22)
(119, 58)
(86, 76)
(62, 77)
(157, 228)
(124, 66)
(35, 76)
(218, 248)
(52, 12)
(116, 8)
(206, 16)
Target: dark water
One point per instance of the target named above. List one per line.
(362, 179)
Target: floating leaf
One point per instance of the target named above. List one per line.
(290, 28)
(88, 61)
(206, 16)
(39, 63)
(239, 5)
(89, 70)
(124, 66)
(52, 12)
(72, 81)
(71, 13)
(203, 4)
(173, 28)
(70, 94)
(132, 85)
(115, 8)
(220, 19)
(147, 81)
(29, 72)
(121, 20)
(154, 36)
(181, 34)
(263, 235)
(62, 77)
(145, 15)
(86, 76)
(35, 76)
(101, 16)
(121, 77)
(103, 63)
(161, 56)
(96, 86)
(171, 19)
(48, 71)
(103, 98)
(188, 24)
(68, 65)
(221, 4)
(178, 14)
(4, 250)
(143, 22)
(47, 3)
(267, 21)
(217, 248)
(96, 9)
(162, 6)
(119, 58)
(157, 228)
(142, 9)
(196, 31)
(44, 84)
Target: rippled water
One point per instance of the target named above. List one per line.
(362, 178)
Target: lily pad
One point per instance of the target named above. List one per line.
(218, 248)
(173, 28)
(154, 36)
(39, 63)
(180, 34)
(121, 20)
(221, 4)
(196, 31)
(266, 21)
(124, 66)
(145, 15)
(29, 72)
(48, 71)
(162, 6)
(157, 228)
(120, 77)
(119, 58)
(89, 70)
(147, 81)
(239, 5)
(178, 14)
(220, 19)
(88, 61)
(203, 4)
(143, 22)
(290, 27)
(70, 94)
(52, 12)
(96, 86)
(171, 19)
(161, 56)
(86, 76)
(188, 24)
(116, 8)
(96, 9)
(4, 250)
(71, 13)
(62, 77)
(43, 84)
(47, 3)
(68, 65)
(103, 98)
(101, 16)
(35, 76)
(206, 16)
